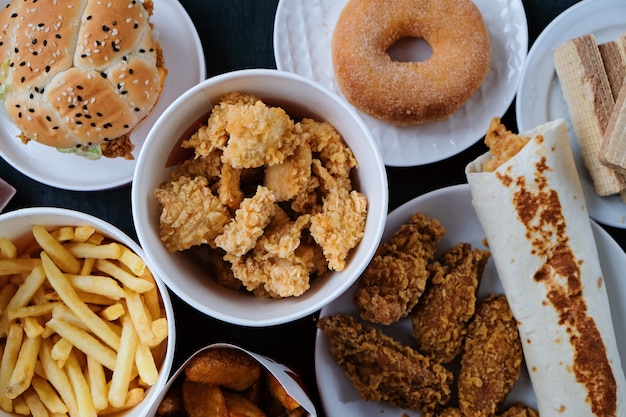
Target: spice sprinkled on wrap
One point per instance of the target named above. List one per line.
(529, 201)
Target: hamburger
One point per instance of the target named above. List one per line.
(79, 75)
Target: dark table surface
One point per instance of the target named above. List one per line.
(237, 34)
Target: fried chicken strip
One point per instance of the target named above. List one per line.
(441, 317)
(382, 368)
(491, 362)
(393, 282)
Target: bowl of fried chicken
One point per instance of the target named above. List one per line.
(260, 197)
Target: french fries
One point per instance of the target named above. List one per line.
(82, 325)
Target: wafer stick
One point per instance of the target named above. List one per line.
(613, 55)
(613, 150)
(590, 102)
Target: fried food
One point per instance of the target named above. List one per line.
(382, 368)
(519, 410)
(230, 368)
(191, 214)
(228, 382)
(441, 317)
(491, 362)
(393, 282)
(204, 400)
(251, 165)
(502, 143)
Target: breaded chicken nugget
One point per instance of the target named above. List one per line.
(204, 400)
(229, 368)
(382, 369)
(441, 317)
(519, 410)
(395, 279)
(491, 361)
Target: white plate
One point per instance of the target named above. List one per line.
(539, 96)
(452, 207)
(184, 60)
(302, 38)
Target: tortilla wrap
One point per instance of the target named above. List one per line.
(535, 219)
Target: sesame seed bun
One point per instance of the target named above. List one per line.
(79, 73)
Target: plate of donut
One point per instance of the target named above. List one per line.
(185, 63)
(302, 44)
(539, 97)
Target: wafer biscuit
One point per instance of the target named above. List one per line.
(613, 149)
(589, 99)
(613, 55)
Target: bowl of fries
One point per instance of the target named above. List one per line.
(85, 328)
(290, 213)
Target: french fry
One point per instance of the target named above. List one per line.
(81, 388)
(24, 367)
(65, 261)
(17, 266)
(48, 395)
(151, 298)
(32, 327)
(20, 406)
(97, 284)
(159, 329)
(58, 378)
(134, 263)
(34, 403)
(7, 292)
(113, 312)
(23, 295)
(63, 234)
(8, 250)
(133, 398)
(124, 365)
(87, 267)
(65, 290)
(83, 233)
(88, 250)
(61, 351)
(146, 367)
(97, 383)
(31, 311)
(128, 280)
(84, 342)
(140, 318)
(9, 358)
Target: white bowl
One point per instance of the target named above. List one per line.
(19, 223)
(298, 96)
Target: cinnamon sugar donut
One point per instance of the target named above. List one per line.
(410, 93)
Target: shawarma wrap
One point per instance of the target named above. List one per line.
(534, 215)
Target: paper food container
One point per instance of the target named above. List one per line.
(288, 378)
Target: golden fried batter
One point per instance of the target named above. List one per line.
(393, 282)
(383, 369)
(290, 177)
(191, 215)
(491, 361)
(502, 143)
(441, 317)
(204, 400)
(229, 368)
(241, 234)
(519, 410)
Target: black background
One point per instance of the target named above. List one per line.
(237, 34)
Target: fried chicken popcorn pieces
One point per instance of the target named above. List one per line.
(191, 214)
(271, 197)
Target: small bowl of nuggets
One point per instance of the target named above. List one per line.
(260, 197)
(232, 381)
(85, 328)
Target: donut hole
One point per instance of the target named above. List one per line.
(410, 49)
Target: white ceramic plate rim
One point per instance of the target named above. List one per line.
(539, 96)
(452, 206)
(302, 37)
(184, 60)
